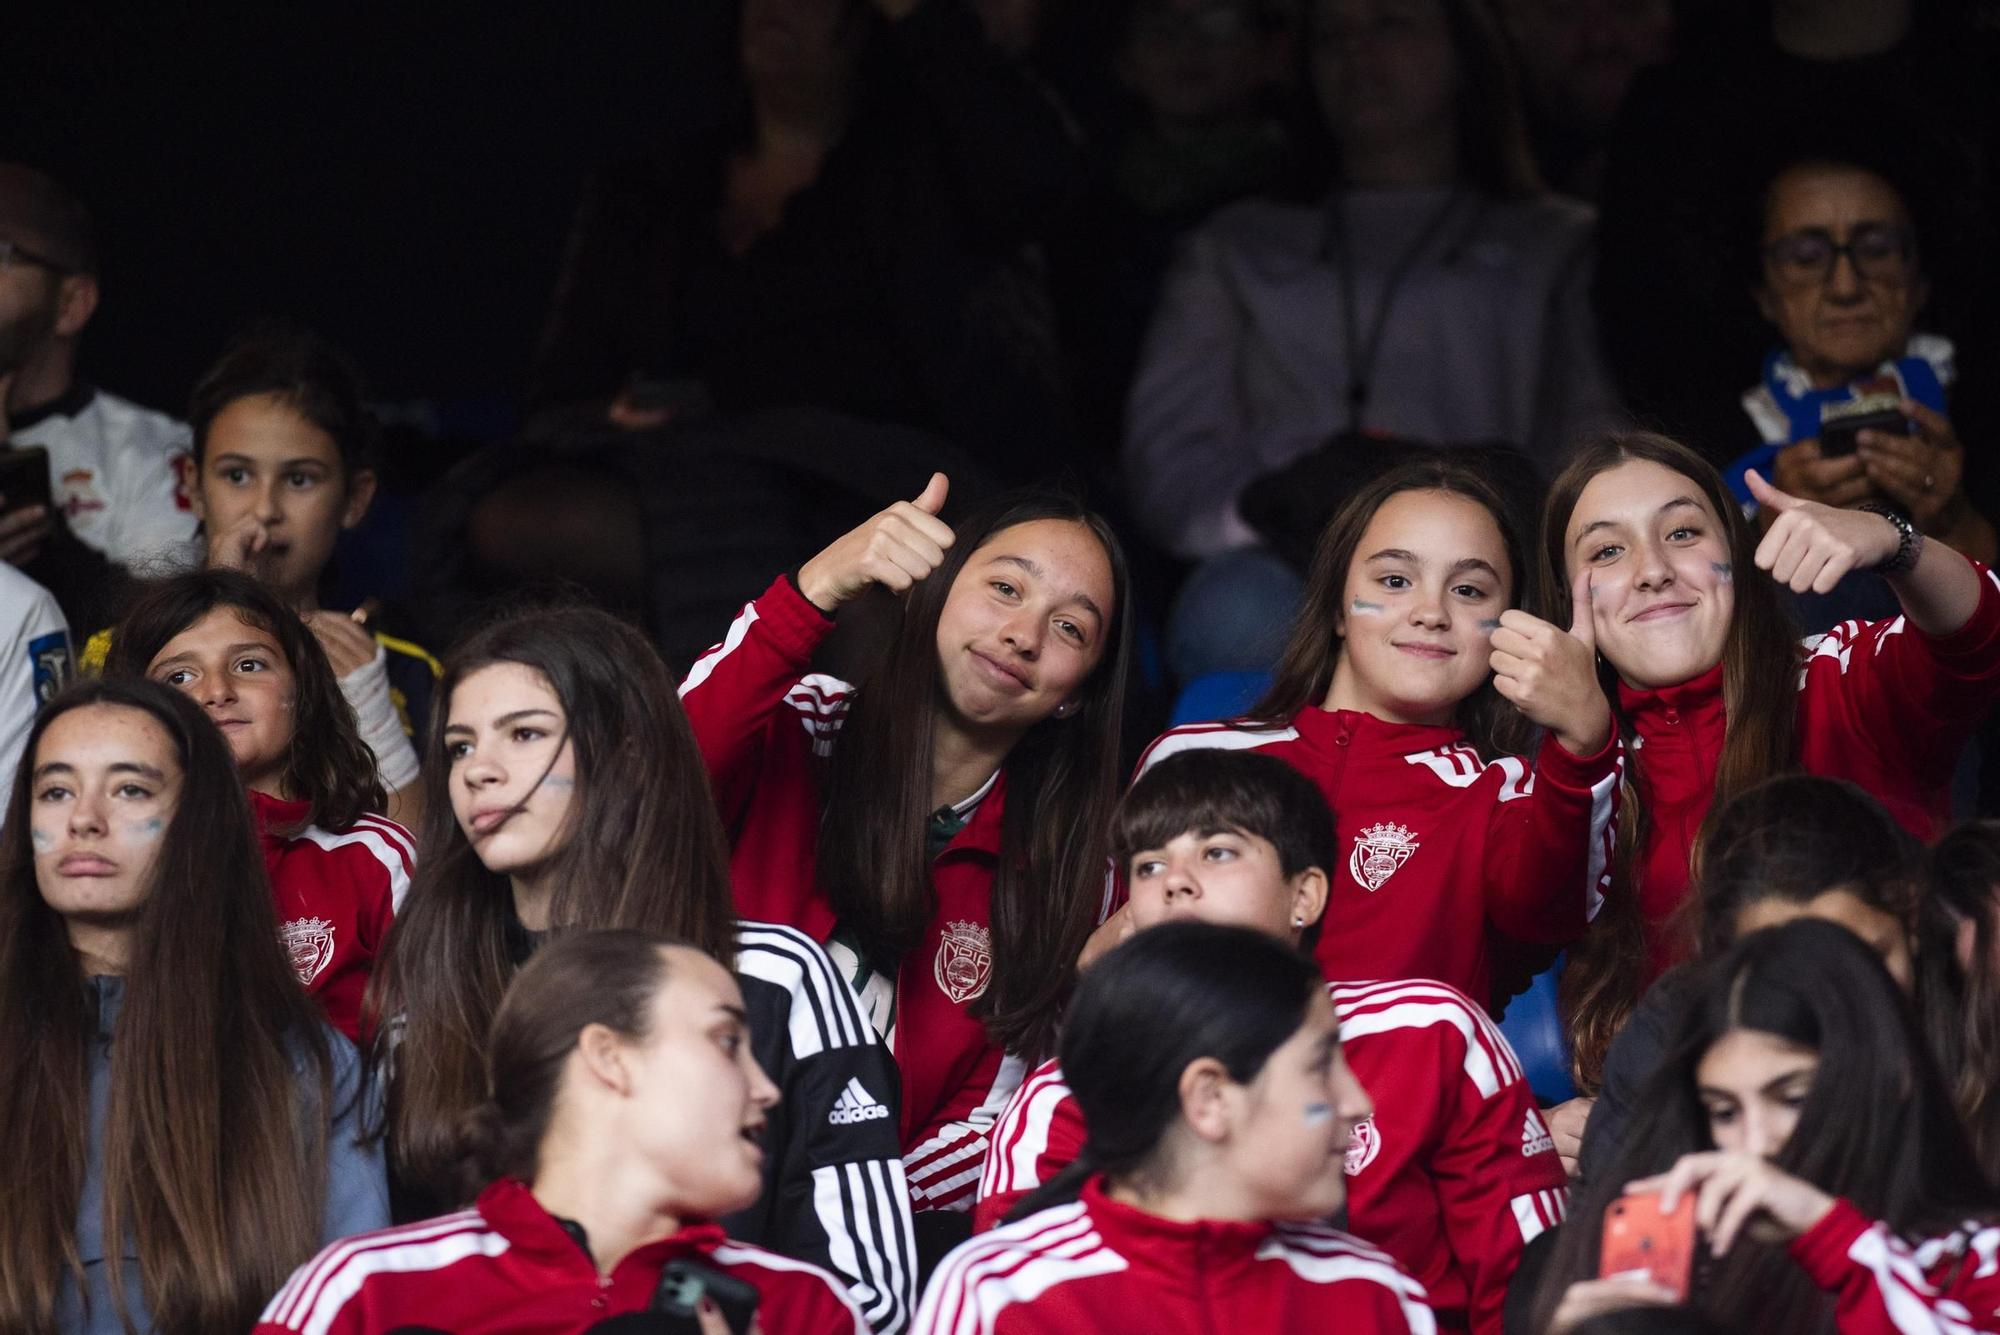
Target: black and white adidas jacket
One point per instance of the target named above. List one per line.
(834, 1192)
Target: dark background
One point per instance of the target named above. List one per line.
(399, 177)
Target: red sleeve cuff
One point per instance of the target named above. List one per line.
(1554, 764)
(793, 621)
(1821, 1250)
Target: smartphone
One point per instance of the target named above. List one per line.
(684, 1283)
(24, 477)
(1638, 1237)
(1841, 422)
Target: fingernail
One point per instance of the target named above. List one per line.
(708, 1307)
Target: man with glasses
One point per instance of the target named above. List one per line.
(115, 502)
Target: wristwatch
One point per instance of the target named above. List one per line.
(1909, 545)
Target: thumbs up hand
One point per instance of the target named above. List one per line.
(1550, 674)
(895, 548)
(1810, 547)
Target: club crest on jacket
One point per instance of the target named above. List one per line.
(1379, 851)
(1362, 1147)
(309, 942)
(964, 961)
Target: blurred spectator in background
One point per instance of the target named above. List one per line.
(110, 500)
(1187, 116)
(1700, 137)
(1577, 57)
(1841, 280)
(1432, 293)
(853, 240)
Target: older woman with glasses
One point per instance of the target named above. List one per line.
(1852, 408)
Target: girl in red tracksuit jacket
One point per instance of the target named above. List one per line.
(1713, 691)
(1835, 1189)
(624, 1117)
(1209, 1068)
(338, 870)
(941, 829)
(1456, 1171)
(1391, 697)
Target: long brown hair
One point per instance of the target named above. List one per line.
(1962, 1001)
(329, 766)
(1062, 783)
(1305, 670)
(212, 1165)
(1606, 973)
(643, 848)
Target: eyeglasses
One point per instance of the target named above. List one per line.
(12, 254)
(1879, 253)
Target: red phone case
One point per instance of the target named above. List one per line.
(1637, 1236)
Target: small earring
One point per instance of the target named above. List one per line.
(1062, 710)
(1298, 920)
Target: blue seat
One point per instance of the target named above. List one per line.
(1218, 695)
(1534, 1028)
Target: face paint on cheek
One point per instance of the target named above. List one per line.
(1490, 623)
(42, 839)
(1363, 605)
(150, 828)
(560, 783)
(1724, 571)
(1318, 1114)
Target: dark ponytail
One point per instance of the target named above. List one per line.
(1172, 995)
(578, 979)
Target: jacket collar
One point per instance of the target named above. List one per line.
(1695, 699)
(1186, 1254)
(1326, 729)
(106, 993)
(981, 834)
(513, 1212)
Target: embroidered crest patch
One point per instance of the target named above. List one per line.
(309, 942)
(1362, 1149)
(964, 961)
(1379, 851)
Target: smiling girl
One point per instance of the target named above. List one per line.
(1713, 692)
(1391, 697)
(945, 826)
(337, 869)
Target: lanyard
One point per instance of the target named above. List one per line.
(1362, 355)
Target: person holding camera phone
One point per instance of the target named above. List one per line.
(1853, 406)
(1834, 1189)
(623, 1115)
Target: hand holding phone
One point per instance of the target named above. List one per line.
(684, 1284)
(1841, 422)
(1640, 1238)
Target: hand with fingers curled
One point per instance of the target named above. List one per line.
(1801, 470)
(1919, 473)
(1811, 547)
(1550, 674)
(1739, 1194)
(895, 548)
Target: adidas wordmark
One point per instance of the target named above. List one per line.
(855, 1105)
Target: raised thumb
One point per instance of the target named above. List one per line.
(932, 498)
(1767, 496)
(1583, 614)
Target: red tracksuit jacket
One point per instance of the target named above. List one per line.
(507, 1267)
(764, 727)
(1453, 1175)
(1438, 845)
(1884, 1286)
(1881, 704)
(1097, 1264)
(335, 895)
